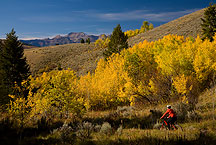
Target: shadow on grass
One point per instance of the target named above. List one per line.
(11, 135)
(205, 140)
(133, 122)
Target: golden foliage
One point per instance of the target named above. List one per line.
(144, 28)
(154, 71)
(102, 43)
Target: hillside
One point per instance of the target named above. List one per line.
(82, 57)
(188, 25)
(79, 57)
(72, 37)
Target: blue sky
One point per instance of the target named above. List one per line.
(47, 18)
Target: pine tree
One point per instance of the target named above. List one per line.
(88, 40)
(209, 23)
(82, 41)
(118, 41)
(13, 65)
(3, 90)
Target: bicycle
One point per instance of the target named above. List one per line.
(164, 125)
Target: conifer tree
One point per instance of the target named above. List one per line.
(118, 41)
(3, 91)
(13, 65)
(88, 40)
(209, 23)
(82, 41)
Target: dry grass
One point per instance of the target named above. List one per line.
(82, 58)
(192, 134)
(207, 104)
(188, 25)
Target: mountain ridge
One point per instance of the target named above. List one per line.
(72, 37)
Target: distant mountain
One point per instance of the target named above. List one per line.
(73, 37)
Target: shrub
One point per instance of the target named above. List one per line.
(193, 116)
(182, 110)
(84, 130)
(119, 130)
(155, 115)
(42, 124)
(125, 111)
(106, 128)
(97, 128)
(65, 133)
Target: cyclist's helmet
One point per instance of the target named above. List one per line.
(169, 106)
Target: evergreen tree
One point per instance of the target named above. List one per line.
(209, 23)
(3, 91)
(13, 65)
(118, 41)
(82, 41)
(88, 40)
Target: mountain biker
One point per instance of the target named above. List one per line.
(172, 116)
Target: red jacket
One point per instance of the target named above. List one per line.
(171, 113)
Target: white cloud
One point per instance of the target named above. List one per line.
(37, 35)
(93, 15)
(30, 38)
(143, 15)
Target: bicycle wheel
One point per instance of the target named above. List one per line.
(163, 128)
(178, 127)
(158, 126)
